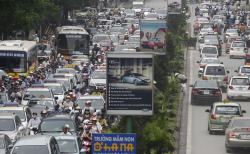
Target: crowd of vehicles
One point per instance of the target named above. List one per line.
(221, 29)
(53, 94)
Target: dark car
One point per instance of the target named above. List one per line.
(206, 92)
(135, 78)
(5, 144)
(53, 125)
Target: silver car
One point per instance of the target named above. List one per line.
(238, 134)
(69, 144)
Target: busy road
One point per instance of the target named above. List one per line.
(198, 138)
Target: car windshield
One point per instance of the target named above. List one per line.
(67, 146)
(209, 50)
(245, 70)
(206, 84)
(56, 89)
(56, 125)
(37, 94)
(30, 149)
(215, 70)
(95, 103)
(238, 44)
(19, 113)
(37, 103)
(227, 110)
(241, 123)
(7, 125)
(99, 75)
(211, 61)
(240, 81)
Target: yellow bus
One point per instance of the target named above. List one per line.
(18, 57)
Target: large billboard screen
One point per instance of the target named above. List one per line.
(153, 33)
(130, 83)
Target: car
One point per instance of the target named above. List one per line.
(53, 124)
(38, 144)
(73, 78)
(220, 113)
(66, 82)
(204, 31)
(23, 112)
(5, 144)
(230, 39)
(243, 70)
(40, 92)
(238, 134)
(211, 39)
(11, 125)
(97, 102)
(97, 80)
(38, 105)
(205, 92)
(151, 16)
(135, 78)
(209, 51)
(230, 33)
(69, 144)
(238, 49)
(153, 43)
(238, 88)
(216, 72)
(98, 38)
(58, 90)
(129, 13)
(162, 13)
(207, 60)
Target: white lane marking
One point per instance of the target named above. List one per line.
(189, 127)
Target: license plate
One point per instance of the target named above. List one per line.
(206, 92)
(245, 137)
(224, 120)
(215, 78)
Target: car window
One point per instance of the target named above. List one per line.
(29, 149)
(56, 125)
(238, 44)
(19, 113)
(227, 110)
(245, 70)
(215, 70)
(37, 94)
(209, 50)
(7, 125)
(67, 146)
(241, 123)
(240, 81)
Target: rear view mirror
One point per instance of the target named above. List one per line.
(207, 110)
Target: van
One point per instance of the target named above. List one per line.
(216, 72)
(209, 51)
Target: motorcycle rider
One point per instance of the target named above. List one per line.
(34, 123)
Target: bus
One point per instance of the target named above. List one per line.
(72, 40)
(18, 57)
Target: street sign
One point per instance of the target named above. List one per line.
(129, 83)
(113, 144)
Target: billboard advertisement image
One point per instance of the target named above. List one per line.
(130, 83)
(153, 33)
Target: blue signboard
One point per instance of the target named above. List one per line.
(114, 143)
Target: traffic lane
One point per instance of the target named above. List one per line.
(201, 141)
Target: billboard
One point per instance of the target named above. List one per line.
(113, 144)
(129, 83)
(153, 33)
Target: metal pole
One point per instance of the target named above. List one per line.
(129, 124)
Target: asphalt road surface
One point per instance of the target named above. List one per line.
(198, 139)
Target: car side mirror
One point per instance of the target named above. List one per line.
(56, 98)
(243, 111)
(207, 110)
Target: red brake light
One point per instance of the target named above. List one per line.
(245, 129)
(195, 91)
(204, 78)
(232, 135)
(231, 87)
(213, 116)
(216, 92)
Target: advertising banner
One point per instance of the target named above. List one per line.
(130, 83)
(113, 144)
(153, 33)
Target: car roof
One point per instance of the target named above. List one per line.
(66, 137)
(38, 89)
(226, 104)
(245, 77)
(221, 65)
(58, 116)
(33, 140)
(7, 115)
(21, 108)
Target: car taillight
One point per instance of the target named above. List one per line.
(204, 78)
(231, 87)
(213, 116)
(245, 129)
(232, 135)
(195, 91)
(216, 92)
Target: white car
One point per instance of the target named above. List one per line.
(238, 88)
(209, 51)
(58, 90)
(238, 49)
(98, 80)
(230, 33)
(244, 70)
(205, 31)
